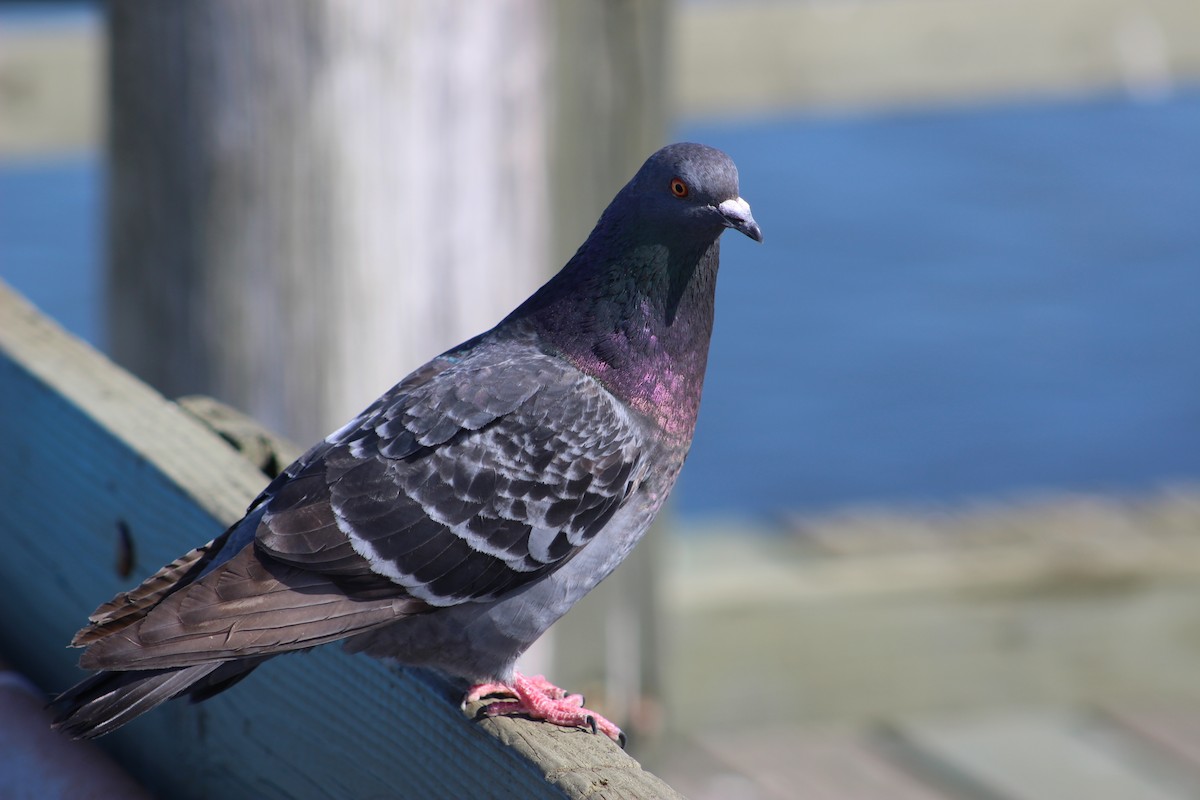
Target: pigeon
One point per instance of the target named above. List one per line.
(469, 507)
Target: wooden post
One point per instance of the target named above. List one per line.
(610, 107)
(310, 199)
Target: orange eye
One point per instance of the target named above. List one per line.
(678, 187)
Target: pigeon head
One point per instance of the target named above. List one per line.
(634, 306)
(690, 190)
(659, 233)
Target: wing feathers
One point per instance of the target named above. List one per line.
(468, 480)
(540, 446)
(249, 607)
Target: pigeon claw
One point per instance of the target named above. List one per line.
(537, 698)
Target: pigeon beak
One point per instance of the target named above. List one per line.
(736, 214)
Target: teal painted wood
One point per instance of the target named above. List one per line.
(86, 451)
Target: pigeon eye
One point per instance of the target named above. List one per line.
(678, 187)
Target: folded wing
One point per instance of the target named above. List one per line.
(479, 473)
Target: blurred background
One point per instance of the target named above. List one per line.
(941, 509)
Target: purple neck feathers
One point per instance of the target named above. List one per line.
(639, 323)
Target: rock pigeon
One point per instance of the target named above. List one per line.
(449, 524)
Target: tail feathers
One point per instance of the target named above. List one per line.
(107, 700)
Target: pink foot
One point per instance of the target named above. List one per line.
(539, 699)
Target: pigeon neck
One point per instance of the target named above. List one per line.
(639, 323)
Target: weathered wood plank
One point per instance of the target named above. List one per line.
(756, 57)
(1028, 756)
(1073, 610)
(267, 451)
(1174, 731)
(51, 88)
(87, 451)
(784, 762)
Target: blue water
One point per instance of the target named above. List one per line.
(948, 305)
(50, 238)
(956, 304)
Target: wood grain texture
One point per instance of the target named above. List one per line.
(267, 451)
(309, 200)
(816, 764)
(1063, 604)
(87, 449)
(1028, 756)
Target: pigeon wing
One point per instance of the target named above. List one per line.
(471, 478)
(462, 483)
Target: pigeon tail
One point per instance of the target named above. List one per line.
(107, 700)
